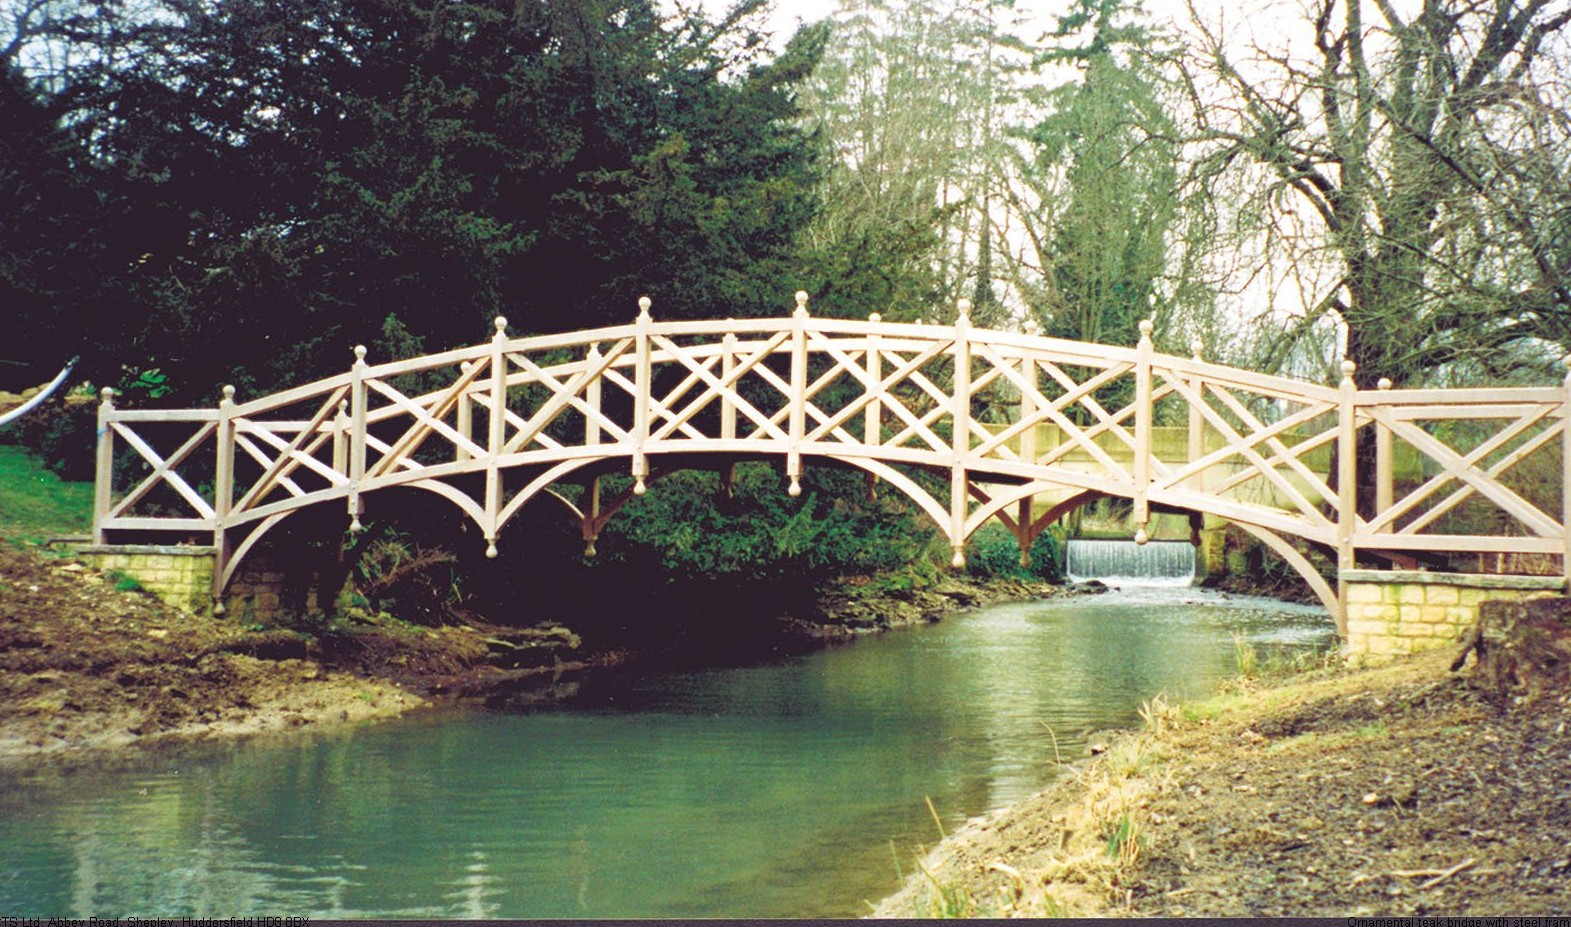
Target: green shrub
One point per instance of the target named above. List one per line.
(994, 553)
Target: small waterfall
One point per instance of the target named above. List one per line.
(1125, 563)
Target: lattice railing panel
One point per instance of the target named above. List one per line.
(996, 416)
(1451, 474)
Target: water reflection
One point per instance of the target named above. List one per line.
(771, 790)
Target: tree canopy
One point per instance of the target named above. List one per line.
(295, 174)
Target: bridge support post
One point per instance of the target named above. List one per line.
(641, 374)
(103, 481)
(1024, 521)
(464, 417)
(798, 417)
(872, 420)
(960, 424)
(357, 414)
(223, 491)
(1347, 488)
(1142, 461)
(1565, 476)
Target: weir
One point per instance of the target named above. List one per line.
(1125, 563)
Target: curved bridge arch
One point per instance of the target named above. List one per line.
(1000, 417)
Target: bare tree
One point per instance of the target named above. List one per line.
(1422, 160)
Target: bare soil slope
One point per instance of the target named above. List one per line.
(1402, 790)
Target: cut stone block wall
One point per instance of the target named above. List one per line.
(182, 576)
(1391, 613)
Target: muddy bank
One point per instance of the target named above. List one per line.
(88, 661)
(1403, 790)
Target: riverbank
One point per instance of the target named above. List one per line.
(1400, 790)
(87, 661)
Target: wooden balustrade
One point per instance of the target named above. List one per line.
(1454, 470)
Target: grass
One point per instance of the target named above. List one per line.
(35, 504)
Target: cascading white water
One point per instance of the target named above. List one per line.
(1125, 563)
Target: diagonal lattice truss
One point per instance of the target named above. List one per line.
(971, 424)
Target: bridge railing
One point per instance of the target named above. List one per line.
(492, 426)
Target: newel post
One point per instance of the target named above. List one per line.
(103, 477)
(357, 416)
(496, 435)
(641, 386)
(223, 490)
(798, 392)
(1384, 483)
(1197, 422)
(727, 377)
(464, 419)
(1142, 461)
(1565, 474)
(1347, 487)
(1025, 509)
(960, 433)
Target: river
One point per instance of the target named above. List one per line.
(789, 788)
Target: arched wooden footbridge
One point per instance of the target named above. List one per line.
(494, 426)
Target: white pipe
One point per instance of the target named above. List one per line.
(31, 404)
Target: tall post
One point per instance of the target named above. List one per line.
(960, 433)
(641, 387)
(592, 397)
(465, 416)
(1142, 460)
(341, 438)
(1565, 474)
(223, 491)
(357, 416)
(872, 415)
(104, 469)
(798, 397)
(496, 435)
(1025, 508)
(1347, 488)
(727, 367)
(1197, 423)
(1385, 494)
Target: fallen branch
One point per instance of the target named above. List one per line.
(1438, 875)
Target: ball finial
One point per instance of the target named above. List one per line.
(1348, 368)
(963, 306)
(638, 487)
(1196, 348)
(501, 324)
(354, 525)
(801, 299)
(107, 394)
(1385, 383)
(359, 353)
(1141, 537)
(644, 303)
(218, 608)
(795, 488)
(874, 317)
(490, 550)
(229, 392)
(958, 561)
(1032, 327)
(1146, 327)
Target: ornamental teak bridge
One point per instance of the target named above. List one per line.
(1021, 428)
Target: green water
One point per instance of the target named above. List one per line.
(790, 789)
